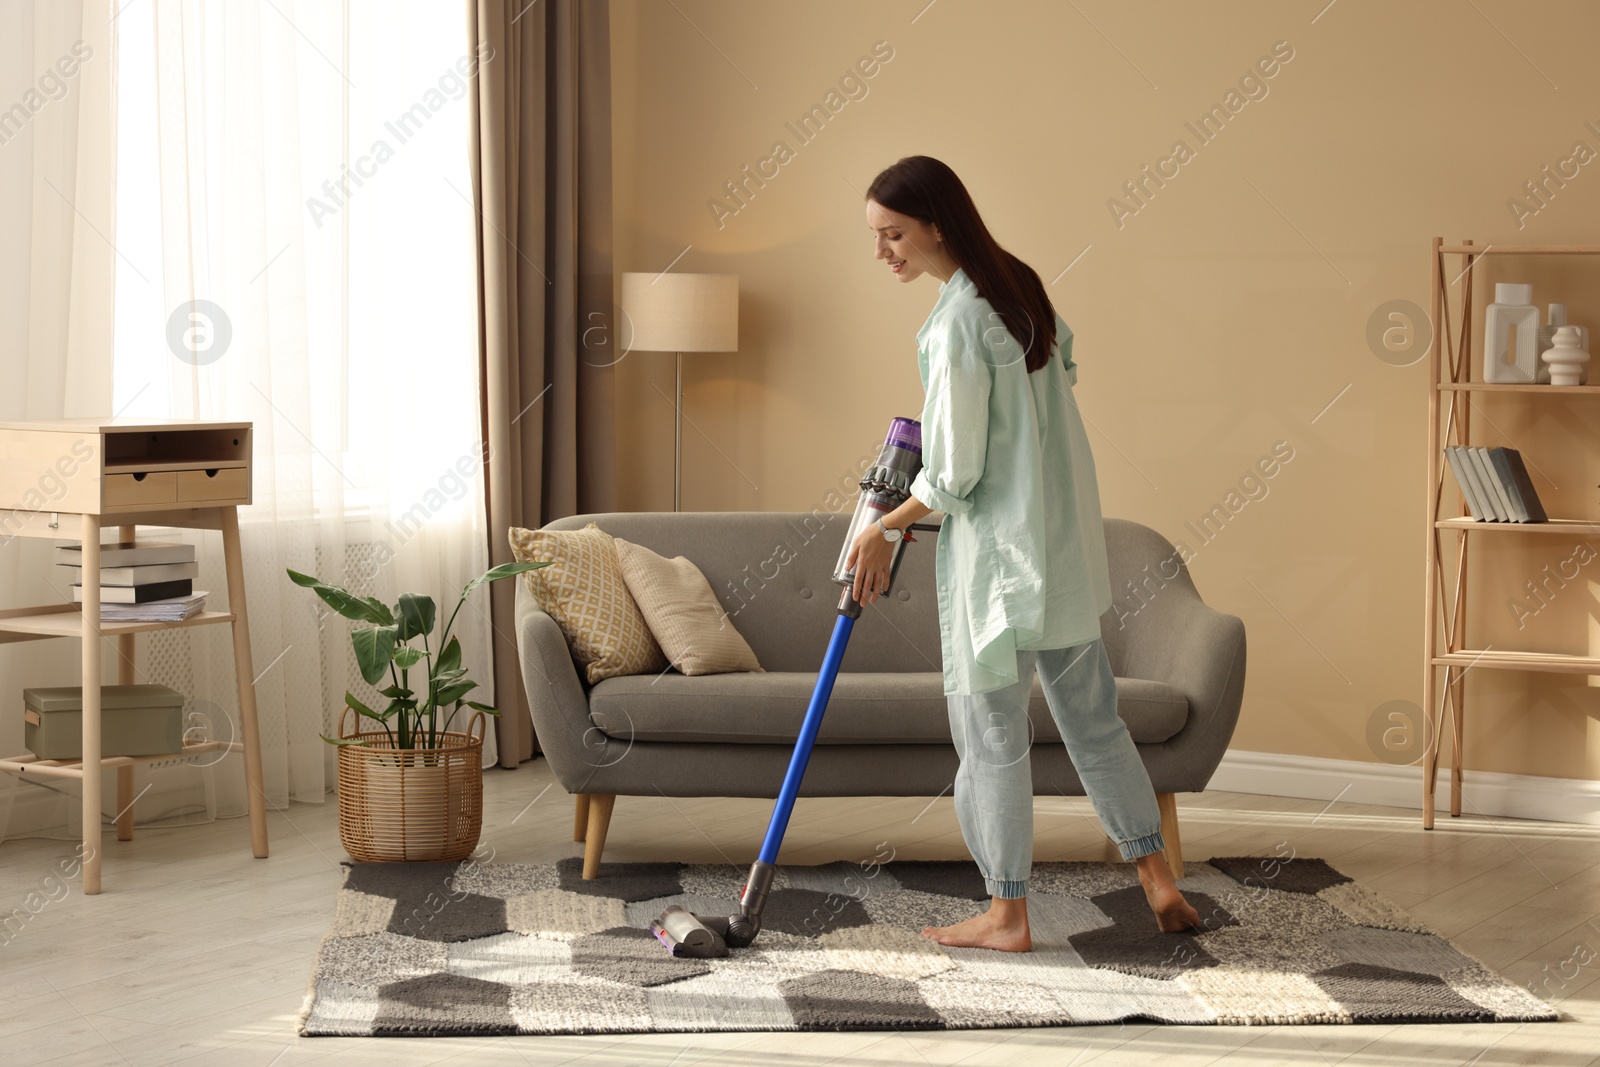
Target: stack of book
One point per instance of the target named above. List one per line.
(1495, 483)
(141, 581)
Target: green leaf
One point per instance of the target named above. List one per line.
(449, 660)
(362, 709)
(505, 570)
(365, 712)
(361, 609)
(374, 651)
(304, 580)
(486, 709)
(342, 740)
(406, 657)
(415, 615)
(452, 693)
(395, 692)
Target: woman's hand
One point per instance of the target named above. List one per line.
(870, 556)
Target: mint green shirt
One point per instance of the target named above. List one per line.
(1021, 558)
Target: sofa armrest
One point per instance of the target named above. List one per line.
(557, 698)
(1200, 652)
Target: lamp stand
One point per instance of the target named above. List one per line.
(677, 439)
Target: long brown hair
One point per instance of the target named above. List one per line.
(926, 189)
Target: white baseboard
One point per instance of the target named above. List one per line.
(34, 808)
(1515, 796)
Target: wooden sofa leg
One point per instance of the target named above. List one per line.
(600, 805)
(580, 816)
(1168, 802)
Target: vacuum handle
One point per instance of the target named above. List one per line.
(848, 605)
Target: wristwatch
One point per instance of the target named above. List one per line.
(890, 534)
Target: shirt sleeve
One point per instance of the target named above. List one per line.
(955, 425)
(1064, 345)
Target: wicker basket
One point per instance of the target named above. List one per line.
(413, 803)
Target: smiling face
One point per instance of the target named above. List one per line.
(909, 246)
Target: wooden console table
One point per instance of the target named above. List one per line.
(65, 479)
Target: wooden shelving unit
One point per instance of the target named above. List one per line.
(65, 620)
(71, 478)
(1450, 361)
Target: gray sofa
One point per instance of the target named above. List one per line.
(1179, 667)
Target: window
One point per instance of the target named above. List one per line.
(309, 180)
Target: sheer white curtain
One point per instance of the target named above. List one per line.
(296, 250)
(57, 171)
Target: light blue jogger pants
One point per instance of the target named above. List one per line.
(994, 787)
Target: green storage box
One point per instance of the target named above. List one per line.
(135, 720)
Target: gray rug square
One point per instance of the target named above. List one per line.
(435, 950)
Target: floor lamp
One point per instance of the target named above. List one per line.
(680, 313)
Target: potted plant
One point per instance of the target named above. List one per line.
(410, 788)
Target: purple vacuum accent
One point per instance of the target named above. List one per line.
(905, 433)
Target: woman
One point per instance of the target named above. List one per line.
(1021, 558)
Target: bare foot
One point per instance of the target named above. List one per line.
(1173, 913)
(1003, 927)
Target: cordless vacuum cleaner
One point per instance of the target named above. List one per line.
(885, 486)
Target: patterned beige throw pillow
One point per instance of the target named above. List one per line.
(683, 613)
(584, 591)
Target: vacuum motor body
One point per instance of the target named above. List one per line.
(885, 486)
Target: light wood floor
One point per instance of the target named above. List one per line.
(198, 954)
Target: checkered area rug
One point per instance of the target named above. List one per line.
(423, 949)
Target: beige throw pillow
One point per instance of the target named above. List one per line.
(584, 591)
(683, 613)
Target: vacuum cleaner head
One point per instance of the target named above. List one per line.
(698, 937)
(686, 935)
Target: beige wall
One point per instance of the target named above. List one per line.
(1221, 318)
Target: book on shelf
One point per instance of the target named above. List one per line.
(1495, 484)
(129, 553)
(1502, 479)
(1486, 480)
(1508, 461)
(1508, 510)
(143, 574)
(175, 609)
(138, 594)
(1468, 491)
(1475, 480)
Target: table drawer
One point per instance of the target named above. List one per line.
(225, 483)
(153, 487)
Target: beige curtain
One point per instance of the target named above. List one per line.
(541, 175)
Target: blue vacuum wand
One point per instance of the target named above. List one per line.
(885, 486)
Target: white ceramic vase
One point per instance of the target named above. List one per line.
(1547, 337)
(1566, 357)
(1511, 336)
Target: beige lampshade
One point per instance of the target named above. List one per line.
(681, 312)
